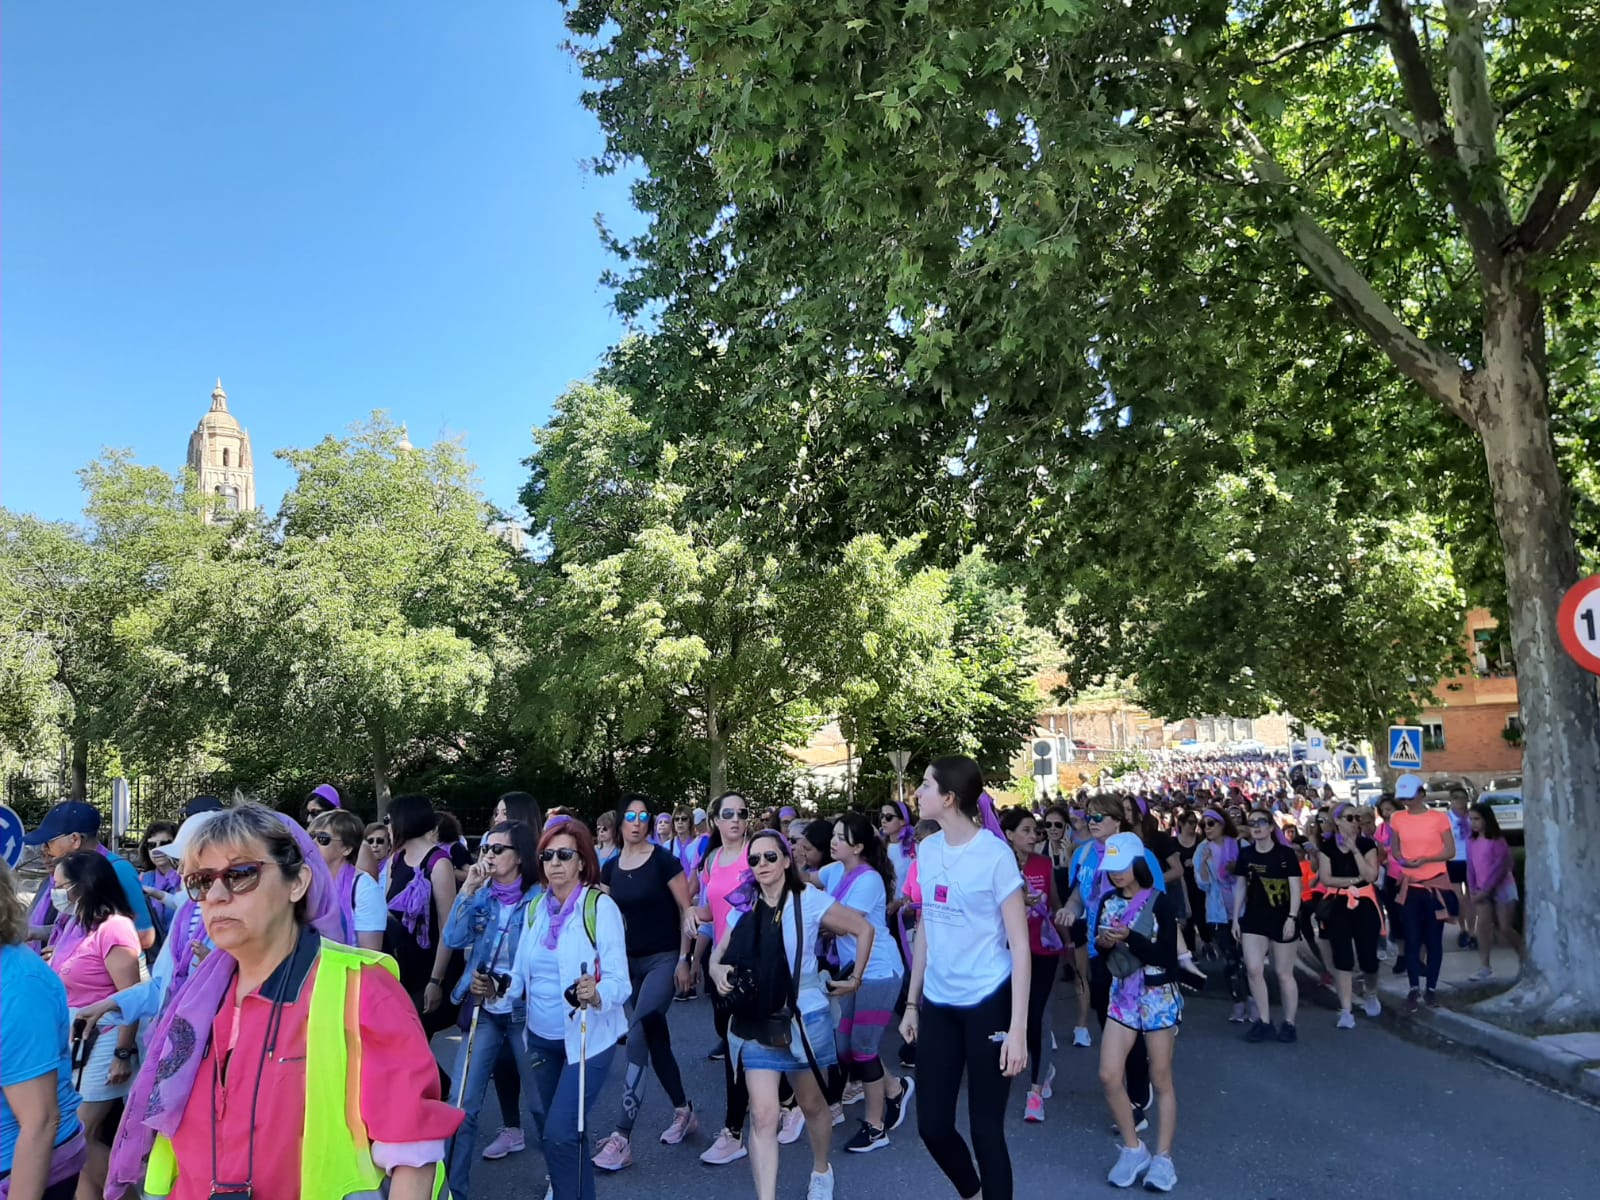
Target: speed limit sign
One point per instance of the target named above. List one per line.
(1579, 623)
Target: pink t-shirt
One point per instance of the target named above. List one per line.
(721, 879)
(912, 889)
(84, 969)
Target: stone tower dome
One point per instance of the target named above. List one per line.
(219, 455)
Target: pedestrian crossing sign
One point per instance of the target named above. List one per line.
(1405, 747)
(1354, 766)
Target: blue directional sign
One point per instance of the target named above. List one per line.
(10, 836)
(1354, 766)
(1405, 747)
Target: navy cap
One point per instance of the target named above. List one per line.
(71, 816)
(202, 804)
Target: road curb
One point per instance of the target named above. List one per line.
(1534, 1056)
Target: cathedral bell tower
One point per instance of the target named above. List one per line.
(219, 455)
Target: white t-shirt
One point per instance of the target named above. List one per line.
(901, 862)
(808, 990)
(501, 963)
(963, 888)
(371, 913)
(867, 896)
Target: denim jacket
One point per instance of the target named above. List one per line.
(464, 928)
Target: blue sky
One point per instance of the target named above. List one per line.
(336, 207)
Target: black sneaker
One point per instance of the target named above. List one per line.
(867, 1139)
(1141, 1122)
(718, 1052)
(894, 1111)
(1431, 998)
(1259, 1032)
(908, 1056)
(1413, 1001)
(1286, 1032)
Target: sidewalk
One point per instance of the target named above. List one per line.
(1571, 1060)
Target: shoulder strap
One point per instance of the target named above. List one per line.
(591, 918)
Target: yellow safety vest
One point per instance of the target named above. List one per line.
(335, 1155)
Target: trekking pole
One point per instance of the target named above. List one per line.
(466, 1065)
(583, 1081)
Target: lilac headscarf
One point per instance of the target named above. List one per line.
(907, 837)
(990, 821)
(161, 1090)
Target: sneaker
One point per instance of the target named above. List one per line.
(1049, 1078)
(718, 1052)
(1347, 1020)
(791, 1125)
(894, 1111)
(1373, 1007)
(507, 1141)
(614, 1154)
(837, 1111)
(1080, 1036)
(1237, 1017)
(1141, 1121)
(821, 1186)
(1131, 1163)
(908, 1056)
(1463, 940)
(1251, 1013)
(867, 1139)
(1481, 975)
(854, 1093)
(1035, 1109)
(1383, 954)
(1286, 1032)
(1413, 1001)
(1260, 1031)
(729, 1147)
(1431, 998)
(1161, 1176)
(684, 1123)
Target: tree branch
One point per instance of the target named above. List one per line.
(1434, 132)
(1433, 371)
(1313, 43)
(1550, 220)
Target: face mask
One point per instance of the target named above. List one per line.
(61, 899)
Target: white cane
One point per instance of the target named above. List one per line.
(583, 1060)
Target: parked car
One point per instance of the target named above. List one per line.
(1505, 797)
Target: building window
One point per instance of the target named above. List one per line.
(225, 453)
(1433, 735)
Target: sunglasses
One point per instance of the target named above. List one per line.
(1096, 818)
(158, 845)
(322, 839)
(494, 850)
(762, 856)
(558, 854)
(680, 820)
(734, 814)
(1055, 825)
(1260, 824)
(636, 818)
(888, 816)
(238, 879)
(377, 841)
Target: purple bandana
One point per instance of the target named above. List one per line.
(507, 895)
(559, 913)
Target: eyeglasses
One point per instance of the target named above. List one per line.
(734, 814)
(762, 856)
(680, 820)
(1055, 824)
(238, 879)
(558, 854)
(493, 849)
(636, 818)
(1096, 818)
(322, 839)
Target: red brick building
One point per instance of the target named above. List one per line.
(1464, 731)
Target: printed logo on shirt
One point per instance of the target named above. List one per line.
(941, 894)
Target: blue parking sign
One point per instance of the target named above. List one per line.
(1405, 747)
(10, 836)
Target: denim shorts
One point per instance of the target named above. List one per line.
(753, 1056)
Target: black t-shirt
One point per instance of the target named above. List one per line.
(1266, 877)
(649, 910)
(1344, 862)
(1163, 846)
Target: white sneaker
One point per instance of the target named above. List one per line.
(1481, 975)
(1131, 1163)
(790, 1126)
(507, 1141)
(1080, 1036)
(1049, 1078)
(854, 1093)
(1162, 1175)
(1346, 1020)
(729, 1147)
(837, 1113)
(821, 1186)
(1373, 1007)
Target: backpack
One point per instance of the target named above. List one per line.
(591, 910)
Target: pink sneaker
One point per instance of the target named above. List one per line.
(728, 1147)
(791, 1125)
(1035, 1110)
(507, 1141)
(614, 1154)
(684, 1122)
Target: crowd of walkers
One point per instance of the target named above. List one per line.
(247, 1008)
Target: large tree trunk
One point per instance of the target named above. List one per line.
(1560, 984)
(380, 770)
(716, 747)
(78, 784)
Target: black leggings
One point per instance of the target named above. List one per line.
(1136, 1069)
(1352, 934)
(952, 1041)
(1044, 978)
(649, 1039)
(1233, 963)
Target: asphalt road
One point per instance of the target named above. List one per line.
(1340, 1114)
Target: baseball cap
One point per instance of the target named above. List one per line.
(786, 813)
(191, 826)
(202, 804)
(70, 816)
(1122, 851)
(1407, 787)
(699, 816)
(326, 791)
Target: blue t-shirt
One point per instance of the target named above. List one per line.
(133, 889)
(34, 1032)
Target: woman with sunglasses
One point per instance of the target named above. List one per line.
(1045, 946)
(571, 970)
(720, 876)
(1347, 867)
(379, 845)
(649, 886)
(487, 921)
(362, 912)
(900, 844)
(158, 874)
(1265, 917)
(606, 844)
(419, 883)
(1215, 861)
(96, 957)
(970, 975)
(775, 923)
(318, 1039)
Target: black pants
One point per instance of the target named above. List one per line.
(1233, 964)
(1136, 1070)
(1352, 934)
(951, 1042)
(1043, 979)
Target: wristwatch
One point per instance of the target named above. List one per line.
(125, 1053)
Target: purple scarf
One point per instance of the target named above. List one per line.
(161, 1090)
(907, 837)
(414, 900)
(345, 888)
(559, 914)
(162, 881)
(507, 895)
(990, 821)
(185, 927)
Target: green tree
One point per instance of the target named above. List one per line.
(999, 235)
